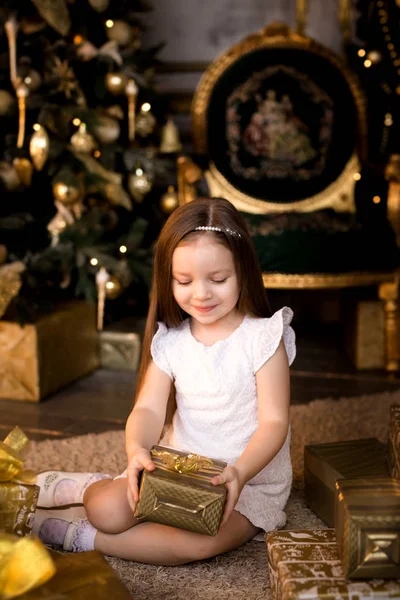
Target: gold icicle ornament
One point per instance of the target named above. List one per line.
(102, 277)
(39, 147)
(131, 91)
(22, 91)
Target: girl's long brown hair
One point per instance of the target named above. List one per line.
(214, 212)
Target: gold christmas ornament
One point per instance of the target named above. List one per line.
(99, 5)
(22, 91)
(170, 141)
(131, 91)
(169, 200)
(106, 129)
(120, 32)
(113, 288)
(139, 184)
(82, 140)
(145, 121)
(11, 28)
(24, 169)
(7, 101)
(102, 278)
(116, 83)
(66, 193)
(9, 176)
(39, 147)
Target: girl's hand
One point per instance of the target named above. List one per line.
(230, 477)
(140, 460)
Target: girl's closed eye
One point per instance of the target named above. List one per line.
(219, 280)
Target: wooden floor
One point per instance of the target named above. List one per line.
(102, 400)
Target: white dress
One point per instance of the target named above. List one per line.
(216, 401)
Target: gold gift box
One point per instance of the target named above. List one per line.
(38, 359)
(325, 463)
(367, 523)
(120, 345)
(305, 564)
(394, 442)
(80, 577)
(179, 491)
(17, 507)
(365, 334)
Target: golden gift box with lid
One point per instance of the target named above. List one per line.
(324, 464)
(367, 523)
(18, 492)
(305, 565)
(179, 491)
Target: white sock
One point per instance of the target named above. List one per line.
(58, 488)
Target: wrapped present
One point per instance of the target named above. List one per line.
(305, 565)
(364, 333)
(25, 563)
(120, 345)
(367, 524)
(80, 577)
(394, 442)
(38, 359)
(325, 463)
(179, 491)
(18, 494)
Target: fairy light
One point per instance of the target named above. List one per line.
(357, 176)
(76, 121)
(78, 39)
(376, 199)
(28, 80)
(109, 23)
(139, 171)
(36, 127)
(361, 52)
(367, 63)
(94, 262)
(123, 249)
(110, 285)
(96, 153)
(146, 106)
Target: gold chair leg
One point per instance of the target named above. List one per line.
(389, 293)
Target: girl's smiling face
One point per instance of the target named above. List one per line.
(204, 280)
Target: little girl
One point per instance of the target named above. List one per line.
(210, 339)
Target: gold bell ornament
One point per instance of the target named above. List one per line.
(39, 147)
(116, 83)
(139, 184)
(82, 140)
(169, 200)
(145, 120)
(170, 141)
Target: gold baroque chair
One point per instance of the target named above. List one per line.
(279, 126)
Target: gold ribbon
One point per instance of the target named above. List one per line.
(189, 463)
(11, 458)
(24, 564)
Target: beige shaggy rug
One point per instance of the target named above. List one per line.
(241, 574)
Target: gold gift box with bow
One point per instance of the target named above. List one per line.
(18, 494)
(179, 491)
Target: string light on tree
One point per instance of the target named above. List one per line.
(123, 249)
(94, 262)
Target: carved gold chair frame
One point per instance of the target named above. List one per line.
(338, 195)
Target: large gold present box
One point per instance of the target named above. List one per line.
(367, 524)
(325, 463)
(37, 360)
(305, 565)
(179, 491)
(120, 345)
(80, 577)
(394, 442)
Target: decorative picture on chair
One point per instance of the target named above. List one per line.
(279, 125)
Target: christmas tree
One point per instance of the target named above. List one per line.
(81, 174)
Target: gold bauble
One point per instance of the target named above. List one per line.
(24, 169)
(99, 5)
(39, 147)
(113, 288)
(120, 32)
(116, 83)
(169, 200)
(106, 129)
(145, 123)
(66, 193)
(7, 102)
(139, 184)
(82, 141)
(170, 141)
(9, 176)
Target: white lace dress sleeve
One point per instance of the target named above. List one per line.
(159, 349)
(268, 335)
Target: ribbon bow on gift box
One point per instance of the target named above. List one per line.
(11, 458)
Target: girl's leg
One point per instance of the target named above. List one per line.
(107, 506)
(162, 545)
